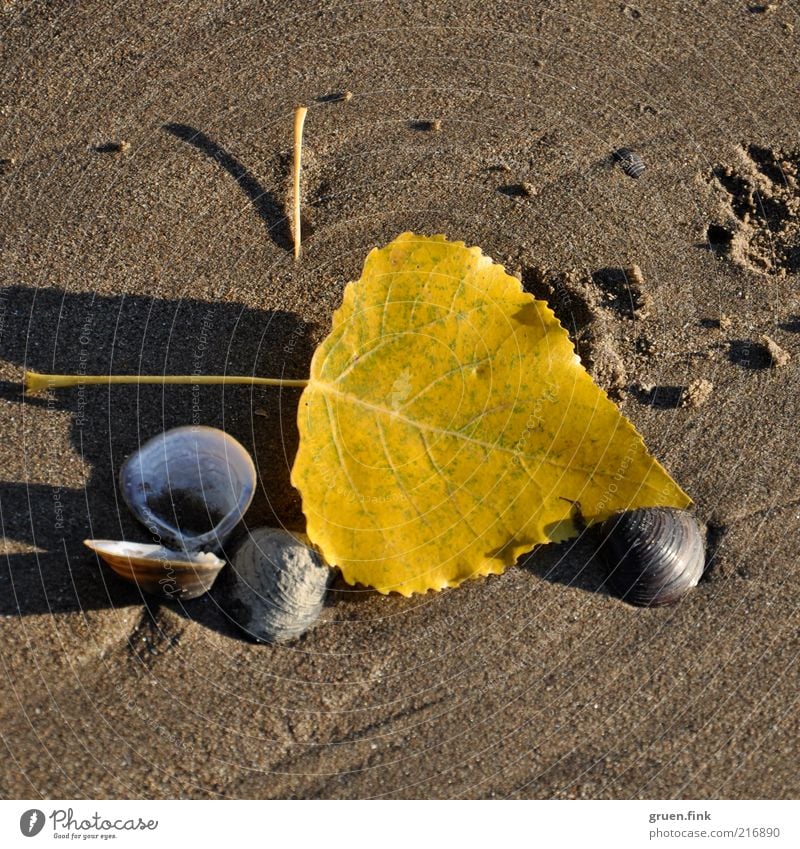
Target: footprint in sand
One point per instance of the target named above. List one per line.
(759, 222)
(584, 303)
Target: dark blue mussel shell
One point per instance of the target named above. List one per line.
(654, 556)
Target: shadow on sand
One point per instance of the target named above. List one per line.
(50, 330)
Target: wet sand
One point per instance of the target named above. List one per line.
(172, 253)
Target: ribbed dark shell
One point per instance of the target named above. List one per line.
(630, 162)
(654, 556)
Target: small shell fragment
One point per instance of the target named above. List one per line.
(630, 162)
(278, 586)
(158, 570)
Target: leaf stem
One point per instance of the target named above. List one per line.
(35, 382)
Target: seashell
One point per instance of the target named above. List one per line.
(278, 586)
(157, 570)
(190, 486)
(630, 162)
(654, 555)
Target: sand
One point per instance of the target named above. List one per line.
(143, 183)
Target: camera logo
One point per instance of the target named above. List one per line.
(31, 822)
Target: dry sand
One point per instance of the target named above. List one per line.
(171, 252)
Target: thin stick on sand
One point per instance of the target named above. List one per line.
(299, 120)
(35, 382)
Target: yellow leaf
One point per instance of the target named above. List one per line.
(448, 426)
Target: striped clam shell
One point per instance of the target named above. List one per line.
(630, 162)
(654, 556)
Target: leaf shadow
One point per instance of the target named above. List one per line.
(50, 330)
(571, 564)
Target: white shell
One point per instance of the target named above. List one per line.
(190, 486)
(158, 570)
(278, 586)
